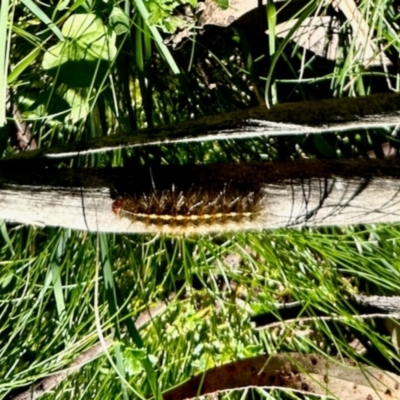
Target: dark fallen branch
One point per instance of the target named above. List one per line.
(50, 383)
(204, 198)
(319, 116)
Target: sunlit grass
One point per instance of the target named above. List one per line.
(215, 284)
(203, 325)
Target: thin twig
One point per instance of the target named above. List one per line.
(327, 318)
(364, 307)
(21, 136)
(373, 306)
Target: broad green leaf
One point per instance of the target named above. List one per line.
(62, 5)
(101, 49)
(77, 51)
(157, 15)
(85, 55)
(133, 358)
(74, 65)
(59, 106)
(119, 21)
(84, 26)
(79, 106)
(62, 53)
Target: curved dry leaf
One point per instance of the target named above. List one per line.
(308, 374)
(317, 34)
(321, 36)
(369, 53)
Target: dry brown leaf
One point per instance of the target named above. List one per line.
(308, 374)
(321, 35)
(369, 52)
(317, 34)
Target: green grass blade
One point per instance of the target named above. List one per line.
(108, 279)
(112, 302)
(6, 237)
(43, 17)
(133, 332)
(307, 10)
(57, 288)
(271, 18)
(3, 60)
(22, 65)
(157, 38)
(57, 256)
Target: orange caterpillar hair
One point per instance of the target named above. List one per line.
(193, 211)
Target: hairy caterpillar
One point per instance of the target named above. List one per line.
(193, 211)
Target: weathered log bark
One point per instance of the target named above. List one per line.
(320, 116)
(296, 193)
(385, 303)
